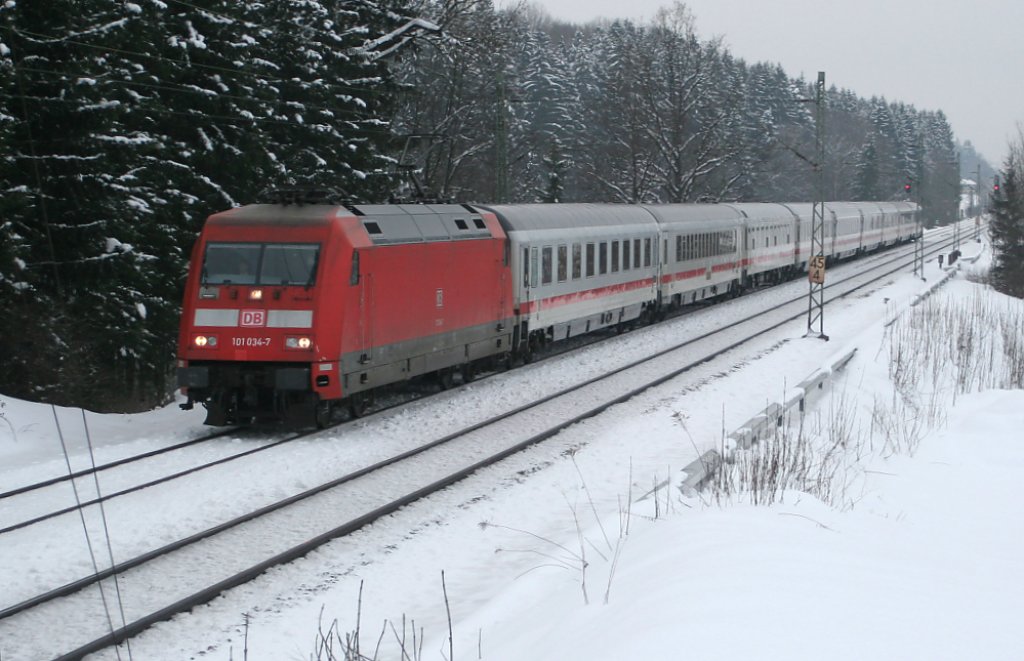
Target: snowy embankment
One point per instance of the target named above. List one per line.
(905, 552)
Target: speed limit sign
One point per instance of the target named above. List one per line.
(816, 269)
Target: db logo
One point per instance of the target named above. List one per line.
(254, 317)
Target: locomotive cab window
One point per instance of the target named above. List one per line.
(261, 264)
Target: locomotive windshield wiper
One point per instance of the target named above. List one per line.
(312, 271)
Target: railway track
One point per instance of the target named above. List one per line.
(211, 560)
(43, 508)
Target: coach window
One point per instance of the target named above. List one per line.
(625, 255)
(534, 267)
(615, 256)
(577, 260)
(526, 267)
(545, 266)
(590, 259)
(563, 263)
(602, 258)
(647, 252)
(679, 248)
(636, 253)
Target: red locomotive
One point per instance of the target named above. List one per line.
(291, 308)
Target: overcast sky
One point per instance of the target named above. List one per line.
(963, 57)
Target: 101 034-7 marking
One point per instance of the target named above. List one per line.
(250, 341)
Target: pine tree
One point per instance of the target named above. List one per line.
(70, 162)
(865, 186)
(1007, 224)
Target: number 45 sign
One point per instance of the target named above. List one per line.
(816, 270)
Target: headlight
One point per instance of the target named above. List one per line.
(298, 342)
(256, 295)
(203, 341)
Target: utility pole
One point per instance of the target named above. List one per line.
(919, 243)
(977, 217)
(957, 218)
(816, 263)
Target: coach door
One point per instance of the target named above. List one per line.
(531, 278)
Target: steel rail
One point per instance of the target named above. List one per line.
(114, 464)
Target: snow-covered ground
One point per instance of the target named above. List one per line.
(912, 557)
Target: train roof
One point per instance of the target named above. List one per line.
(278, 214)
(901, 206)
(766, 211)
(694, 213)
(531, 217)
(417, 223)
(384, 223)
